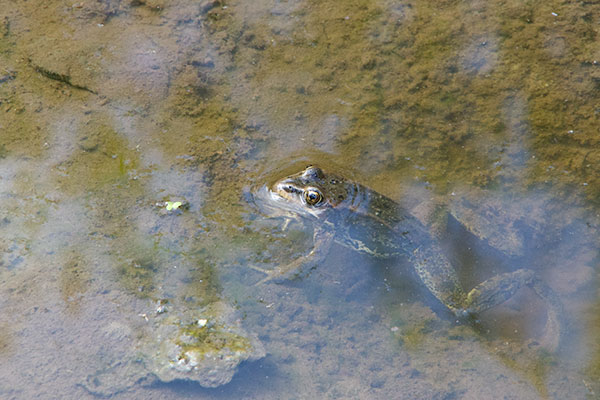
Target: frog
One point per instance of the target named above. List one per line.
(354, 216)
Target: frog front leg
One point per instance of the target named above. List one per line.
(322, 239)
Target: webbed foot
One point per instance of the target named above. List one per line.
(322, 241)
(497, 290)
(500, 288)
(278, 274)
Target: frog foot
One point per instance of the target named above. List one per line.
(322, 239)
(290, 271)
(502, 287)
(497, 290)
(272, 274)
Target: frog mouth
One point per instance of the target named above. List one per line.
(289, 199)
(288, 192)
(269, 203)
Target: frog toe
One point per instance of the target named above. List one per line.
(271, 274)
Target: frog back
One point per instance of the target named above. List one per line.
(376, 225)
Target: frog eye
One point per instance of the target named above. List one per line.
(313, 197)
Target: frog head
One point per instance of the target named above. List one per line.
(311, 191)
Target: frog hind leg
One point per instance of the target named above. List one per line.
(322, 239)
(555, 315)
(502, 287)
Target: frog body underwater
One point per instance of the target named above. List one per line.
(341, 209)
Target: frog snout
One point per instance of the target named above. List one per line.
(287, 187)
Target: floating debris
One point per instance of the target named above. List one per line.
(173, 205)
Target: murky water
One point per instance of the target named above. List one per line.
(113, 111)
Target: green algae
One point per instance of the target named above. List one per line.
(413, 336)
(208, 338)
(534, 367)
(74, 280)
(202, 287)
(434, 98)
(423, 91)
(138, 276)
(103, 158)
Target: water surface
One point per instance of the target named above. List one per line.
(109, 109)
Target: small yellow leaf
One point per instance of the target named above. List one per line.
(173, 205)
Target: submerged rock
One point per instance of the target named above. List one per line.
(204, 346)
(206, 349)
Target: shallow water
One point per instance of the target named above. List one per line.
(109, 109)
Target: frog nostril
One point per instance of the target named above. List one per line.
(287, 188)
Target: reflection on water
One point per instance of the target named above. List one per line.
(485, 111)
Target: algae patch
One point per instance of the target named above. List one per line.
(138, 276)
(205, 346)
(74, 280)
(205, 338)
